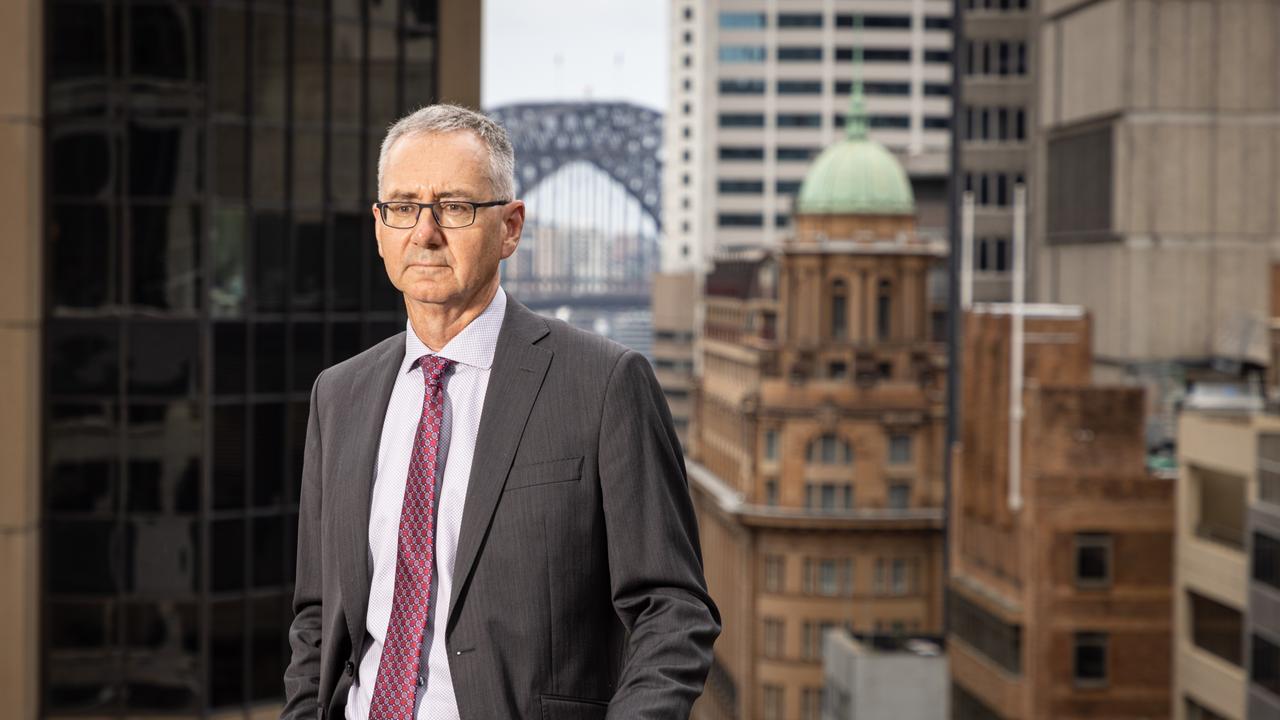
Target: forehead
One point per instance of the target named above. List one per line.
(437, 160)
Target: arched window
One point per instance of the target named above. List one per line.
(829, 450)
(884, 306)
(839, 310)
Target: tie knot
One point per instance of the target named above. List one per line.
(433, 368)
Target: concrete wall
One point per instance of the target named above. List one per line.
(21, 206)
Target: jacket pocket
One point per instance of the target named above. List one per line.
(561, 707)
(545, 473)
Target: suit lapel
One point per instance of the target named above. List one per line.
(519, 367)
(367, 402)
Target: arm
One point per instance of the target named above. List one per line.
(655, 561)
(302, 677)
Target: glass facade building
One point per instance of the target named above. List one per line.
(208, 167)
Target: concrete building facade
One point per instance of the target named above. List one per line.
(884, 681)
(1060, 569)
(758, 88)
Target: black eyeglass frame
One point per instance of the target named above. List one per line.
(435, 214)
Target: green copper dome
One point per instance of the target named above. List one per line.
(856, 176)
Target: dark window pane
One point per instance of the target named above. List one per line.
(1266, 560)
(269, 625)
(269, 354)
(227, 560)
(230, 46)
(230, 164)
(347, 70)
(308, 354)
(349, 250)
(174, 49)
(1265, 670)
(163, 358)
(268, 552)
(164, 451)
(269, 64)
(298, 415)
(383, 77)
(83, 683)
(83, 161)
(419, 67)
(1090, 658)
(270, 242)
(308, 168)
(741, 86)
(83, 256)
(227, 246)
(83, 626)
(346, 181)
(165, 261)
(308, 262)
(226, 653)
(83, 357)
(228, 457)
(162, 556)
(344, 341)
(308, 69)
(1216, 628)
(81, 49)
(82, 556)
(741, 153)
(267, 157)
(164, 160)
(83, 459)
(230, 362)
(268, 454)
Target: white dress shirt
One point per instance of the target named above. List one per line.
(472, 351)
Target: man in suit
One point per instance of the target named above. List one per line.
(495, 520)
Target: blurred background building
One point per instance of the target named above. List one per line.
(188, 245)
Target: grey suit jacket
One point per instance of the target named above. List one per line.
(578, 589)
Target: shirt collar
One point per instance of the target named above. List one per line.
(474, 346)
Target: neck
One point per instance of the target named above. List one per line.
(436, 324)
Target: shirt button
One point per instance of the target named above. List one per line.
(351, 668)
(421, 681)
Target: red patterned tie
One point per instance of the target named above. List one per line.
(393, 691)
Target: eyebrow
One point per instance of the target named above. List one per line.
(446, 194)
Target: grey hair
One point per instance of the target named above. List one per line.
(444, 118)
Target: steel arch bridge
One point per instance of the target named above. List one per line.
(586, 243)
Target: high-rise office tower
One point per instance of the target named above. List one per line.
(188, 243)
(759, 87)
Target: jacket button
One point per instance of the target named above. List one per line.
(351, 668)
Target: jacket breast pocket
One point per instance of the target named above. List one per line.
(559, 707)
(545, 473)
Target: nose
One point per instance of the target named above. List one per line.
(427, 232)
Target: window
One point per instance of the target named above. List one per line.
(986, 633)
(1266, 560)
(1222, 506)
(740, 220)
(741, 153)
(799, 87)
(771, 492)
(1265, 669)
(811, 638)
(875, 55)
(937, 89)
(799, 20)
(899, 496)
(937, 123)
(741, 21)
(741, 86)
(742, 53)
(837, 370)
(788, 187)
(900, 582)
(1195, 711)
(799, 54)
(741, 187)
(770, 444)
(1269, 468)
(773, 638)
(829, 496)
(829, 449)
(839, 305)
(1215, 628)
(750, 120)
(828, 583)
(799, 120)
(899, 449)
(811, 704)
(1093, 560)
(774, 571)
(937, 56)
(804, 154)
(883, 309)
(1089, 665)
(937, 22)
(773, 702)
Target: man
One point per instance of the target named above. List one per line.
(495, 520)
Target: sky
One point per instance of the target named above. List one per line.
(574, 50)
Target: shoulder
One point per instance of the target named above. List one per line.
(346, 372)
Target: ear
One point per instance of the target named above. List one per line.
(377, 229)
(512, 227)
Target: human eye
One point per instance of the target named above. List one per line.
(402, 208)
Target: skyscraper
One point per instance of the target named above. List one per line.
(192, 244)
(759, 87)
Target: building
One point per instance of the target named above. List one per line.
(893, 680)
(1225, 594)
(1060, 571)
(816, 461)
(674, 304)
(1170, 251)
(994, 119)
(757, 90)
(188, 243)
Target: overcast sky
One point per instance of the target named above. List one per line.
(575, 49)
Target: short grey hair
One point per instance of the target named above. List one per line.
(444, 118)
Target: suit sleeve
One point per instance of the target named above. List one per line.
(302, 676)
(655, 561)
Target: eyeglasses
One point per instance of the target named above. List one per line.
(450, 214)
